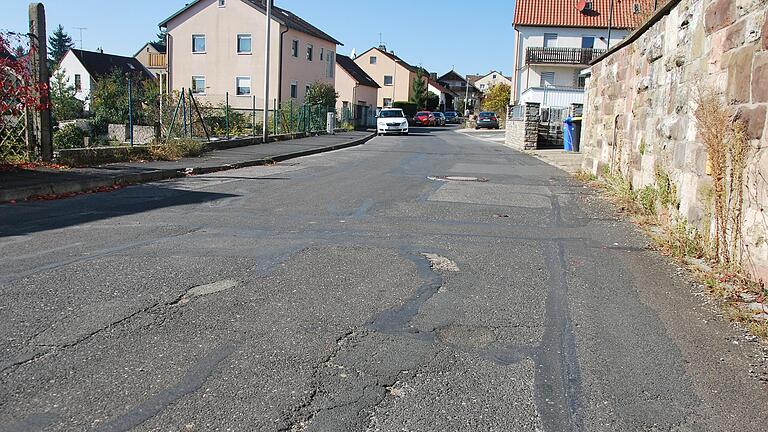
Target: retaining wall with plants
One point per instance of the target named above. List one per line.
(678, 109)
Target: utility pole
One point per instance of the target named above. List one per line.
(42, 122)
(265, 130)
(610, 24)
(466, 99)
(81, 35)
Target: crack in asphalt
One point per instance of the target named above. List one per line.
(190, 383)
(557, 381)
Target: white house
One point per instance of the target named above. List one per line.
(447, 97)
(492, 78)
(556, 40)
(82, 69)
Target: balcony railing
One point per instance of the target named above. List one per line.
(578, 56)
(157, 60)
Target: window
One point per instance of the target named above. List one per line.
(482, 86)
(387, 102)
(322, 53)
(581, 81)
(306, 89)
(295, 48)
(547, 79)
(222, 3)
(294, 89)
(244, 44)
(587, 41)
(310, 50)
(78, 82)
(331, 60)
(243, 86)
(550, 40)
(494, 76)
(198, 84)
(388, 80)
(373, 59)
(198, 43)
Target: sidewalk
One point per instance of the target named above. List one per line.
(567, 161)
(25, 184)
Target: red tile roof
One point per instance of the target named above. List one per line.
(564, 13)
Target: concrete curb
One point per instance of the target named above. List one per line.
(25, 193)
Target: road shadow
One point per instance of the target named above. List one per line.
(36, 216)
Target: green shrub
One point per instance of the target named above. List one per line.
(68, 137)
(647, 197)
(409, 108)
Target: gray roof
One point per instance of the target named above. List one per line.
(99, 64)
(357, 73)
(283, 16)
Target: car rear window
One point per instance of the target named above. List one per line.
(487, 114)
(421, 113)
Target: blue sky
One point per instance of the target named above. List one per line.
(475, 37)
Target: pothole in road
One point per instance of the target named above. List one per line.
(467, 336)
(441, 263)
(204, 290)
(458, 178)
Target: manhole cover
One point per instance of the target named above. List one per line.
(458, 178)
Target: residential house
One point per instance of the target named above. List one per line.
(556, 39)
(463, 90)
(492, 78)
(358, 92)
(447, 97)
(153, 56)
(82, 69)
(393, 74)
(215, 48)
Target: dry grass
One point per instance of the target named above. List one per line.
(176, 149)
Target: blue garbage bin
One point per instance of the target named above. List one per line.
(568, 129)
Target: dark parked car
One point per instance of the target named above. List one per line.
(487, 120)
(439, 119)
(424, 118)
(452, 117)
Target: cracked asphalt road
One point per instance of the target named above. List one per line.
(360, 290)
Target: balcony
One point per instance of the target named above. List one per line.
(575, 56)
(157, 61)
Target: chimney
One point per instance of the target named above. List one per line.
(433, 76)
(383, 47)
(100, 50)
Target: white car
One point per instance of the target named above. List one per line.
(391, 120)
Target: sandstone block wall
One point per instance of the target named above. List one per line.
(641, 99)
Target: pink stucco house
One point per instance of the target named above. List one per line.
(216, 47)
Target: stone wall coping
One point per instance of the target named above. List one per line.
(635, 35)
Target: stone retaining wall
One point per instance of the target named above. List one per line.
(141, 134)
(523, 133)
(642, 96)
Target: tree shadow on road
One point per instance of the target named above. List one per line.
(36, 216)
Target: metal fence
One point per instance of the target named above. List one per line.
(357, 116)
(222, 117)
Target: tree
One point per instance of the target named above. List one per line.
(460, 106)
(19, 51)
(109, 100)
(433, 102)
(59, 43)
(321, 93)
(162, 37)
(497, 99)
(419, 87)
(64, 104)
